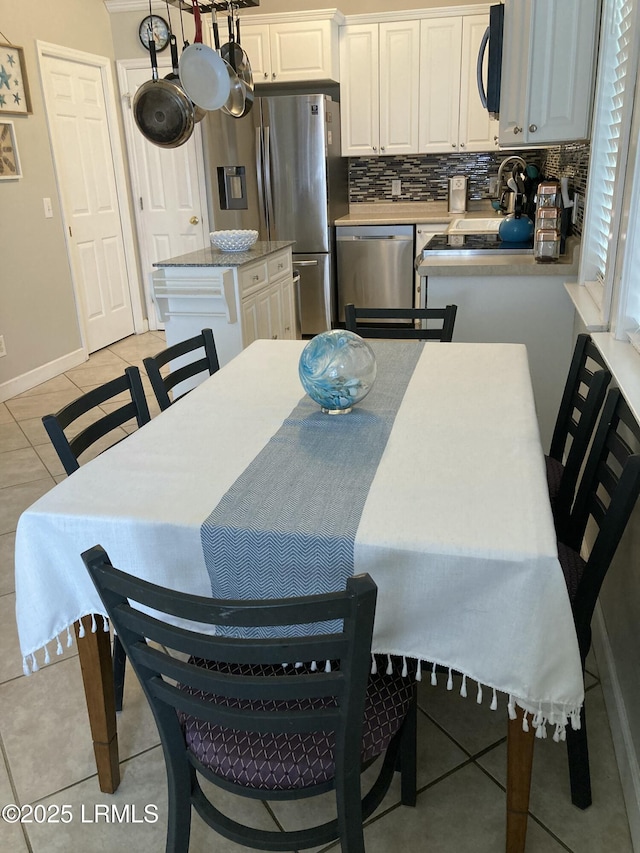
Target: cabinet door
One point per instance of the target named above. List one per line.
(255, 41)
(256, 317)
(477, 131)
(359, 92)
(303, 51)
(276, 313)
(288, 309)
(399, 71)
(515, 71)
(440, 63)
(562, 70)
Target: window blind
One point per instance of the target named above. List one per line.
(609, 143)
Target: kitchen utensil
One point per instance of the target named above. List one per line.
(162, 111)
(241, 96)
(515, 229)
(204, 74)
(174, 77)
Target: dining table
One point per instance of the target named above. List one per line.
(434, 484)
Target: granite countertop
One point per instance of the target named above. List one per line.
(409, 213)
(513, 265)
(211, 257)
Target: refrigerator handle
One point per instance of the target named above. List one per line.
(267, 184)
(304, 264)
(264, 221)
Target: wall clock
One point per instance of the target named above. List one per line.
(160, 29)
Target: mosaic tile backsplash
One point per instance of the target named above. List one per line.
(424, 176)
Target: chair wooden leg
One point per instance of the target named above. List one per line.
(94, 651)
(519, 764)
(119, 666)
(408, 757)
(578, 755)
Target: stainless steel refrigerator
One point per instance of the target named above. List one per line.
(279, 170)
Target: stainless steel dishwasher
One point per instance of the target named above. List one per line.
(375, 266)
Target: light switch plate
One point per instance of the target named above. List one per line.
(48, 208)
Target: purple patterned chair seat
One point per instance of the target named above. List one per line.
(280, 761)
(555, 470)
(572, 567)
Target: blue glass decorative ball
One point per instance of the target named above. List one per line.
(337, 370)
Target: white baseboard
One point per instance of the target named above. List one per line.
(41, 374)
(626, 757)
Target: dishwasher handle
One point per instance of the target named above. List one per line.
(399, 237)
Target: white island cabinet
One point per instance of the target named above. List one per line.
(242, 296)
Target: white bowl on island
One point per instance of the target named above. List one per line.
(238, 240)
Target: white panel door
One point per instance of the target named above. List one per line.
(399, 87)
(171, 213)
(440, 64)
(82, 149)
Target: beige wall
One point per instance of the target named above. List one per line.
(37, 308)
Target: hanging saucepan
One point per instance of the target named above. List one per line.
(240, 98)
(161, 110)
(203, 73)
(174, 77)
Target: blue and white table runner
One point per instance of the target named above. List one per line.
(287, 526)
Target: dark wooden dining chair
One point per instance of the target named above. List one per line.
(606, 496)
(207, 361)
(268, 716)
(70, 443)
(582, 399)
(438, 322)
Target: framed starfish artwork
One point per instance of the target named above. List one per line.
(14, 87)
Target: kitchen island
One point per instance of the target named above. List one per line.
(512, 299)
(242, 296)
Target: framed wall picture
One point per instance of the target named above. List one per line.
(14, 87)
(9, 159)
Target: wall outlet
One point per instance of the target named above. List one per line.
(3, 349)
(493, 186)
(396, 187)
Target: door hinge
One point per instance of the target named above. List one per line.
(141, 204)
(127, 97)
(70, 234)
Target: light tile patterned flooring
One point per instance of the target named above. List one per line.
(46, 749)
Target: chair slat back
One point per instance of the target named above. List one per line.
(69, 449)
(163, 384)
(274, 676)
(444, 318)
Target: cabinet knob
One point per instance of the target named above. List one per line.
(533, 128)
(274, 337)
(375, 147)
(462, 145)
(517, 129)
(273, 75)
(266, 75)
(382, 147)
(255, 278)
(453, 145)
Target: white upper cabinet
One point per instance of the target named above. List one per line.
(451, 115)
(290, 51)
(548, 68)
(379, 88)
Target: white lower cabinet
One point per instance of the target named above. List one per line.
(424, 232)
(241, 304)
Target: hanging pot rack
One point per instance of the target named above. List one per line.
(221, 6)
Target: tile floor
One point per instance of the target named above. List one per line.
(47, 756)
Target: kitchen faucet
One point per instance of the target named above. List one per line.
(516, 160)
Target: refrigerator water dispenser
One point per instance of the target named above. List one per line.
(232, 186)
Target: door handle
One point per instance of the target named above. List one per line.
(194, 220)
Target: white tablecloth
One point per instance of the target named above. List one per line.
(456, 530)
